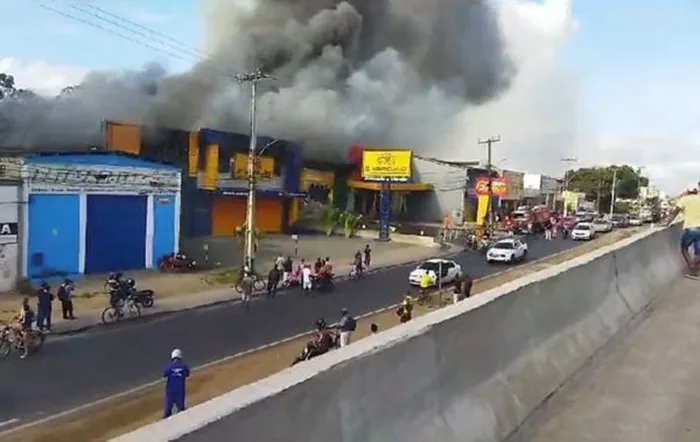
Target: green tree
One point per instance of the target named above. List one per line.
(8, 88)
(596, 183)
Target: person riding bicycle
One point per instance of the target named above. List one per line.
(357, 263)
(117, 294)
(25, 318)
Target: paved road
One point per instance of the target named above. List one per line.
(73, 371)
(645, 388)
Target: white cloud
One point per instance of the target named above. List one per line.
(40, 76)
(541, 119)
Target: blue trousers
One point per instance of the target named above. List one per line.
(43, 316)
(176, 399)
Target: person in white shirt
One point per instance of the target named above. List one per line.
(306, 279)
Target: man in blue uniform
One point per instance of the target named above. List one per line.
(43, 311)
(175, 374)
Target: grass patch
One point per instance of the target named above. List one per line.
(223, 276)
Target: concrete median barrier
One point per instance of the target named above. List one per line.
(470, 372)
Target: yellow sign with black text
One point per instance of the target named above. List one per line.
(264, 167)
(394, 165)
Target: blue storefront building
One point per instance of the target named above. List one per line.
(97, 212)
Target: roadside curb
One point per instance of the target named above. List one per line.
(257, 296)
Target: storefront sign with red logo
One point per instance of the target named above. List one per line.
(498, 186)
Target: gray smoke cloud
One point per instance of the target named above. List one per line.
(379, 72)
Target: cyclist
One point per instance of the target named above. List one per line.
(357, 264)
(324, 340)
(25, 318)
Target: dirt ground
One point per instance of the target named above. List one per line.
(125, 414)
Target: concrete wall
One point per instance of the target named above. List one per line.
(471, 372)
(450, 183)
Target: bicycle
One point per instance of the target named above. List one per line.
(34, 340)
(354, 274)
(127, 308)
(259, 284)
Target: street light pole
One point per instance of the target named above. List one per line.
(639, 193)
(489, 143)
(613, 193)
(567, 179)
(249, 250)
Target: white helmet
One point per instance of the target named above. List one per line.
(176, 354)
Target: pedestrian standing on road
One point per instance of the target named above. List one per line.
(368, 255)
(175, 374)
(65, 295)
(287, 268)
(306, 283)
(689, 205)
(273, 280)
(246, 287)
(346, 326)
(548, 230)
(43, 311)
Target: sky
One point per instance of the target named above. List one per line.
(633, 62)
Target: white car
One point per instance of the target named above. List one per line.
(507, 250)
(636, 222)
(602, 226)
(583, 231)
(448, 270)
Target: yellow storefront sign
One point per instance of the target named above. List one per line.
(264, 167)
(386, 164)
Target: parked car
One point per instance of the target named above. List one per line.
(447, 270)
(619, 221)
(507, 250)
(635, 221)
(583, 231)
(602, 225)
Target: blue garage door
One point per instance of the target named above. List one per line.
(163, 226)
(116, 233)
(54, 235)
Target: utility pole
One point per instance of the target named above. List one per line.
(613, 192)
(249, 250)
(639, 193)
(489, 209)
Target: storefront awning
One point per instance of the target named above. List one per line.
(397, 187)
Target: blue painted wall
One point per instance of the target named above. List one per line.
(163, 233)
(196, 210)
(115, 237)
(54, 235)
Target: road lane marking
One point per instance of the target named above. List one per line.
(155, 383)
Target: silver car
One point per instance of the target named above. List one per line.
(602, 226)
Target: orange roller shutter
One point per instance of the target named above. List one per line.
(268, 215)
(227, 214)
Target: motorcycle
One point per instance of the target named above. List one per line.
(176, 262)
(323, 283)
(311, 349)
(123, 288)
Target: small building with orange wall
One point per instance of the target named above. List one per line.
(214, 183)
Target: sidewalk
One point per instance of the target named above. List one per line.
(89, 316)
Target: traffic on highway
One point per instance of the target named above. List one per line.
(104, 362)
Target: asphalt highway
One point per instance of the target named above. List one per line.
(70, 372)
